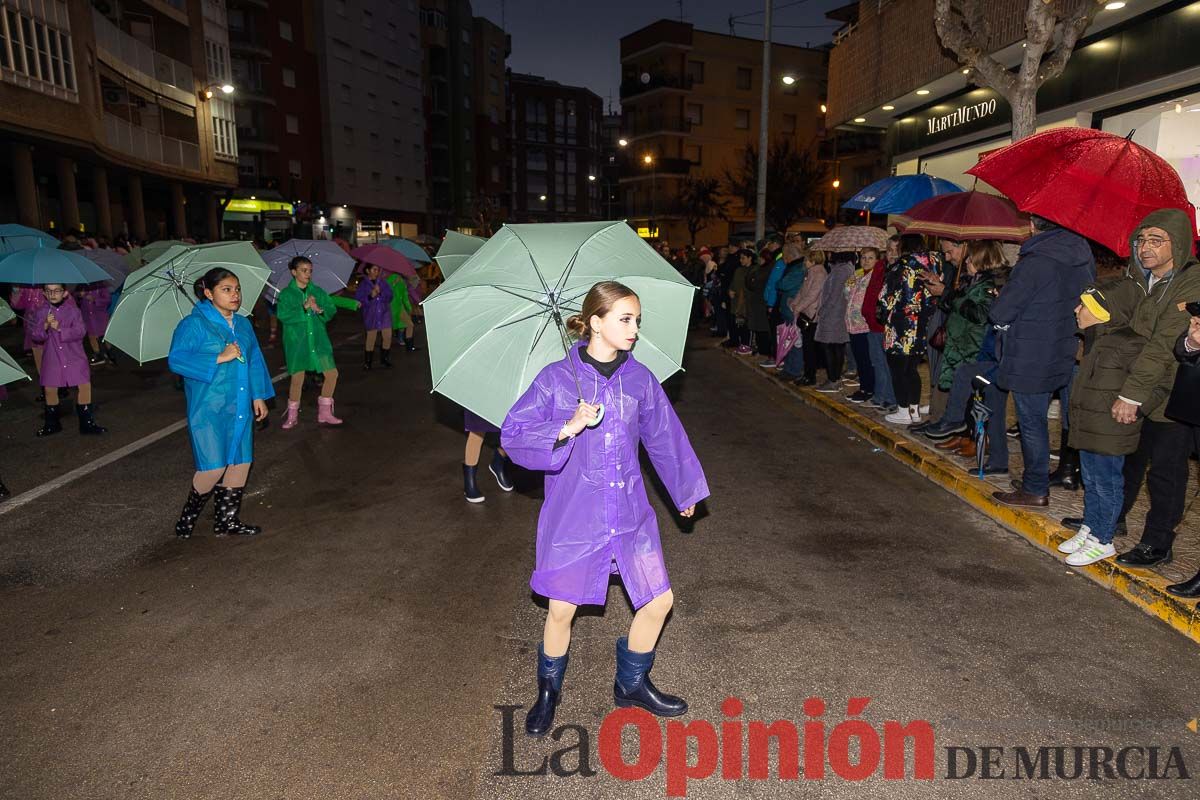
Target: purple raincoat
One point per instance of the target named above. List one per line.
(28, 299)
(93, 304)
(63, 363)
(377, 311)
(596, 519)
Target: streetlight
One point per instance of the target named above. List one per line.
(788, 80)
(622, 141)
(208, 91)
(542, 198)
(648, 160)
(591, 177)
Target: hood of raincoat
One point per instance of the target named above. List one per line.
(1178, 227)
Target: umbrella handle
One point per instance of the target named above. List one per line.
(599, 417)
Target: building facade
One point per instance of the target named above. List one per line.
(113, 116)
(556, 150)
(1134, 72)
(372, 128)
(691, 103)
(492, 201)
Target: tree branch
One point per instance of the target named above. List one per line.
(1071, 29)
(968, 46)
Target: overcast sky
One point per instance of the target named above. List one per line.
(577, 42)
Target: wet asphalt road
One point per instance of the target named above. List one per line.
(358, 648)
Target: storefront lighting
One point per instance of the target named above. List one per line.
(252, 197)
(922, 92)
(836, 183)
(1117, 6)
(860, 119)
(648, 159)
(344, 205)
(823, 108)
(889, 108)
(1179, 108)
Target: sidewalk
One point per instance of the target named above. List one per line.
(1143, 588)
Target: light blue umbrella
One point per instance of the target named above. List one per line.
(899, 193)
(39, 265)
(21, 237)
(410, 250)
(332, 266)
(111, 262)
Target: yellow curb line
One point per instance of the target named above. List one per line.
(1146, 591)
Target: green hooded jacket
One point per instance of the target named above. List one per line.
(306, 343)
(966, 322)
(1160, 315)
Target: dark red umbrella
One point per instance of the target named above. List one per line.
(965, 215)
(386, 258)
(1092, 182)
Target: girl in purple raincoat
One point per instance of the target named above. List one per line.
(375, 296)
(28, 299)
(596, 519)
(57, 326)
(94, 299)
(476, 428)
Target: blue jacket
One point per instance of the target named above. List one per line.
(1035, 312)
(220, 397)
(771, 290)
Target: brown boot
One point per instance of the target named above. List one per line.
(1020, 497)
(953, 443)
(968, 449)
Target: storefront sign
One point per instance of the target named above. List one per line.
(249, 206)
(961, 116)
(648, 233)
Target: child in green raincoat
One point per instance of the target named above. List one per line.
(304, 309)
(402, 309)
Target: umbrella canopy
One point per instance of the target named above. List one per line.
(332, 266)
(6, 312)
(38, 265)
(20, 237)
(899, 193)
(10, 370)
(845, 238)
(1094, 183)
(156, 249)
(410, 250)
(966, 215)
(456, 248)
(157, 296)
(111, 262)
(499, 320)
(386, 258)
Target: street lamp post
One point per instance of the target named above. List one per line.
(760, 206)
(649, 159)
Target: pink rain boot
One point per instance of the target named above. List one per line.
(325, 411)
(293, 416)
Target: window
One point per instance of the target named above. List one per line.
(493, 85)
(466, 36)
(396, 110)
(741, 119)
(351, 175)
(745, 76)
(789, 123)
(467, 101)
(216, 58)
(376, 180)
(345, 94)
(285, 31)
(224, 119)
(293, 123)
(371, 98)
(493, 55)
(347, 136)
(289, 77)
(374, 139)
(392, 31)
(293, 168)
(414, 43)
(368, 20)
(695, 71)
(694, 153)
(466, 70)
(398, 182)
(494, 115)
(495, 144)
(339, 7)
(694, 114)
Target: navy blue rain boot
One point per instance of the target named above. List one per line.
(498, 470)
(633, 687)
(550, 677)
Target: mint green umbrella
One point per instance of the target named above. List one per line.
(501, 316)
(455, 250)
(155, 250)
(9, 369)
(156, 297)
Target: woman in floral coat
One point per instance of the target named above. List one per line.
(904, 307)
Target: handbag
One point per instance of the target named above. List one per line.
(1184, 403)
(938, 339)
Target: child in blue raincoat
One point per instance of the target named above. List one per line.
(596, 519)
(225, 377)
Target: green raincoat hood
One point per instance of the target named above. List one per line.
(1178, 226)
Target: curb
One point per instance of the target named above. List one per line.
(1144, 590)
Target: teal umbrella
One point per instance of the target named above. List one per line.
(14, 238)
(38, 265)
(410, 250)
(501, 316)
(156, 297)
(455, 250)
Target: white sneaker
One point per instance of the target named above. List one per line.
(1053, 411)
(924, 410)
(1077, 541)
(767, 364)
(899, 417)
(1091, 552)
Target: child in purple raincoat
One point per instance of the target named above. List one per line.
(28, 299)
(375, 296)
(596, 519)
(57, 326)
(476, 428)
(93, 304)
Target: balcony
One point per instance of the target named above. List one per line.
(632, 87)
(244, 43)
(113, 43)
(255, 95)
(252, 139)
(150, 146)
(651, 124)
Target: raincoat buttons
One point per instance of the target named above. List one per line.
(611, 484)
(612, 530)
(621, 484)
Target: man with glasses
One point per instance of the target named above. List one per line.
(1164, 265)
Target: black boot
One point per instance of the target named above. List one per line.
(191, 512)
(368, 357)
(4, 492)
(51, 423)
(1189, 589)
(632, 686)
(111, 355)
(470, 490)
(499, 471)
(410, 344)
(227, 506)
(385, 357)
(1068, 475)
(87, 420)
(550, 673)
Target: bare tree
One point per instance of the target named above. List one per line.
(1052, 27)
(794, 180)
(699, 202)
(485, 213)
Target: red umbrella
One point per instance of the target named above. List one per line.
(1089, 181)
(386, 258)
(966, 215)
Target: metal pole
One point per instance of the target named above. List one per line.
(760, 207)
